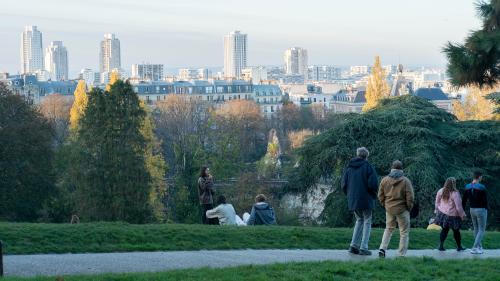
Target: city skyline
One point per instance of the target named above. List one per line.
(412, 35)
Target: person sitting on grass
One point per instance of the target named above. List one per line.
(450, 213)
(475, 193)
(262, 213)
(224, 212)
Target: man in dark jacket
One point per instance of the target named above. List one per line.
(262, 213)
(360, 183)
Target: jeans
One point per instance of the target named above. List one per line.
(403, 222)
(478, 216)
(362, 228)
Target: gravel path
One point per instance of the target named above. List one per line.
(71, 264)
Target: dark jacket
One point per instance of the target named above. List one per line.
(206, 190)
(476, 195)
(360, 183)
(262, 214)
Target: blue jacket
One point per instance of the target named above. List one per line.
(262, 214)
(360, 184)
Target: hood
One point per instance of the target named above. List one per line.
(262, 206)
(357, 162)
(395, 173)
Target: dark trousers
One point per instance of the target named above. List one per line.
(456, 235)
(204, 219)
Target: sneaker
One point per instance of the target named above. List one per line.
(354, 250)
(479, 251)
(363, 252)
(474, 251)
(381, 253)
(441, 248)
(460, 249)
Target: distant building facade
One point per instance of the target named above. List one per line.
(56, 61)
(235, 54)
(324, 73)
(31, 50)
(147, 72)
(256, 74)
(34, 91)
(360, 70)
(296, 60)
(109, 53)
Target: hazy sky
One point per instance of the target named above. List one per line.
(181, 33)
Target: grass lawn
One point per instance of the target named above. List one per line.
(30, 238)
(408, 269)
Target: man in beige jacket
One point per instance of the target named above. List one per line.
(397, 197)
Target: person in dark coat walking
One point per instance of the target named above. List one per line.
(206, 195)
(360, 184)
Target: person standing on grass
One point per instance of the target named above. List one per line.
(206, 195)
(224, 212)
(396, 195)
(450, 213)
(475, 193)
(359, 183)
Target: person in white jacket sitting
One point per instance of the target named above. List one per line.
(224, 212)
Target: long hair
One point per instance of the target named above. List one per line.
(450, 185)
(203, 172)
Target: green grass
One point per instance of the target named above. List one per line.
(411, 269)
(30, 238)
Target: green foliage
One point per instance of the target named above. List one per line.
(26, 159)
(432, 144)
(36, 238)
(117, 170)
(495, 97)
(477, 62)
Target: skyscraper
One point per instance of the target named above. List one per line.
(235, 54)
(296, 61)
(109, 57)
(56, 61)
(31, 50)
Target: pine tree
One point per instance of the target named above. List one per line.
(377, 87)
(477, 61)
(79, 104)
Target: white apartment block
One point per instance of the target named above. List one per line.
(235, 54)
(256, 74)
(147, 72)
(56, 61)
(31, 50)
(296, 61)
(360, 70)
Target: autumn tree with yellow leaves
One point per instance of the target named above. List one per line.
(377, 87)
(79, 104)
(476, 105)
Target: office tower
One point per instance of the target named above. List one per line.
(235, 54)
(31, 50)
(56, 61)
(109, 57)
(296, 61)
(147, 71)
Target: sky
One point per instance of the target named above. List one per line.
(189, 33)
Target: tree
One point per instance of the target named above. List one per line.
(429, 141)
(117, 167)
(377, 88)
(495, 98)
(113, 77)
(26, 158)
(56, 109)
(476, 105)
(477, 61)
(79, 104)
(243, 121)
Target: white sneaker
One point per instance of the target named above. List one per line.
(474, 251)
(480, 251)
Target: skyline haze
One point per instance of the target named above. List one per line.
(190, 33)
